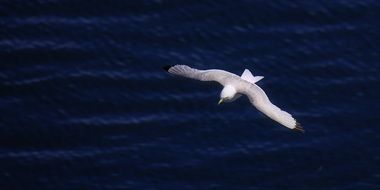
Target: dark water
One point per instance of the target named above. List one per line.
(84, 103)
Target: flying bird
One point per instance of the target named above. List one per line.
(235, 86)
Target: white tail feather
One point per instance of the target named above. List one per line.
(248, 76)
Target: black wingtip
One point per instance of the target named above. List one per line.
(299, 128)
(167, 67)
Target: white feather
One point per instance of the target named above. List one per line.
(248, 76)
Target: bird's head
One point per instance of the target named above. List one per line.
(227, 94)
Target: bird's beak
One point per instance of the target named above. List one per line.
(220, 101)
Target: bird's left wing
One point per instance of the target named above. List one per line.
(261, 101)
(217, 75)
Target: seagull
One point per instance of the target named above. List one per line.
(235, 86)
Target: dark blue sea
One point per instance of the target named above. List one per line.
(85, 103)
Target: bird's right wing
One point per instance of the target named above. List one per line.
(217, 75)
(261, 101)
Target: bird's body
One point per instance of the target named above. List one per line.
(235, 86)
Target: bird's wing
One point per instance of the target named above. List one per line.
(260, 100)
(217, 75)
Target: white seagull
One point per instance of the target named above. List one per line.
(235, 86)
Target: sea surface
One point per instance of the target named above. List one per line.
(85, 103)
